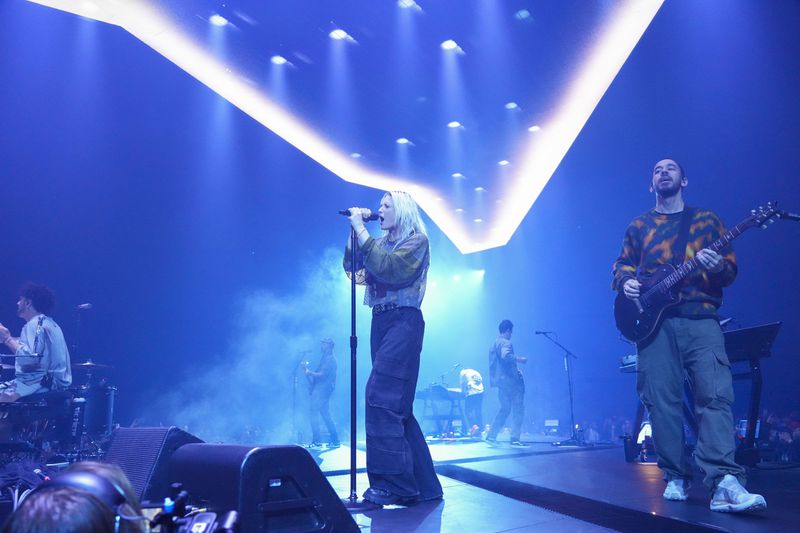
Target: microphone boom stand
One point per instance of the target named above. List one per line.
(353, 503)
(574, 439)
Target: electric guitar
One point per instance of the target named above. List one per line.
(639, 319)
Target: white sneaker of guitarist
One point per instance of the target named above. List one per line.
(731, 497)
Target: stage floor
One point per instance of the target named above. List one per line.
(545, 488)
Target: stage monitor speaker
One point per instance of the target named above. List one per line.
(273, 488)
(143, 454)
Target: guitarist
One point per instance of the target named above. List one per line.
(687, 343)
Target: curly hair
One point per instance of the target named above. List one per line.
(41, 296)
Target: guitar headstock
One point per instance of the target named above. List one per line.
(762, 215)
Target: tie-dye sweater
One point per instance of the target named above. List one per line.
(648, 243)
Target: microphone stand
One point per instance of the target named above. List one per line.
(352, 502)
(574, 439)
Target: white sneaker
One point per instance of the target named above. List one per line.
(676, 490)
(731, 497)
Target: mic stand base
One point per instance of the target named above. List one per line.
(356, 505)
(572, 441)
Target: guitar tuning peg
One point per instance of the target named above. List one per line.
(772, 221)
(763, 226)
(752, 211)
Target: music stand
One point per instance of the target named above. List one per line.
(751, 345)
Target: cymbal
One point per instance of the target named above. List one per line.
(89, 364)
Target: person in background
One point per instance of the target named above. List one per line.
(472, 389)
(322, 382)
(42, 358)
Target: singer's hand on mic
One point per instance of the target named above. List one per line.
(357, 217)
(4, 334)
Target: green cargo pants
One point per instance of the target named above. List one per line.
(694, 349)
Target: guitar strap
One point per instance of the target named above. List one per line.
(679, 246)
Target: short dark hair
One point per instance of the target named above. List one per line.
(60, 510)
(41, 297)
(680, 167)
(505, 325)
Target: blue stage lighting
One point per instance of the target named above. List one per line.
(454, 124)
(403, 140)
(503, 163)
(479, 189)
(218, 20)
(339, 35)
(457, 175)
(278, 60)
(512, 105)
(534, 128)
(450, 44)
(409, 4)
(523, 14)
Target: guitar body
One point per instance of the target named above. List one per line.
(639, 325)
(661, 290)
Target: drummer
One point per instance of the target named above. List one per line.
(42, 357)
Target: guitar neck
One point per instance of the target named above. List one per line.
(690, 266)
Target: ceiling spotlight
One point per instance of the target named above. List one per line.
(503, 163)
(451, 45)
(512, 105)
(459, 210)
(403, 140)
(339, 35)
(478, 220)
(409, 4)
(457, 175)
(218, 20)
(278, 60)
(355, 155)
(454, 124)
(479, 189)
(534, 128)
(523, 14)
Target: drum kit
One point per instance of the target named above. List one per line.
(74, 423)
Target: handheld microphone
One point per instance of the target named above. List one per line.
(542, 332)
(367, 218)
(84, 307)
